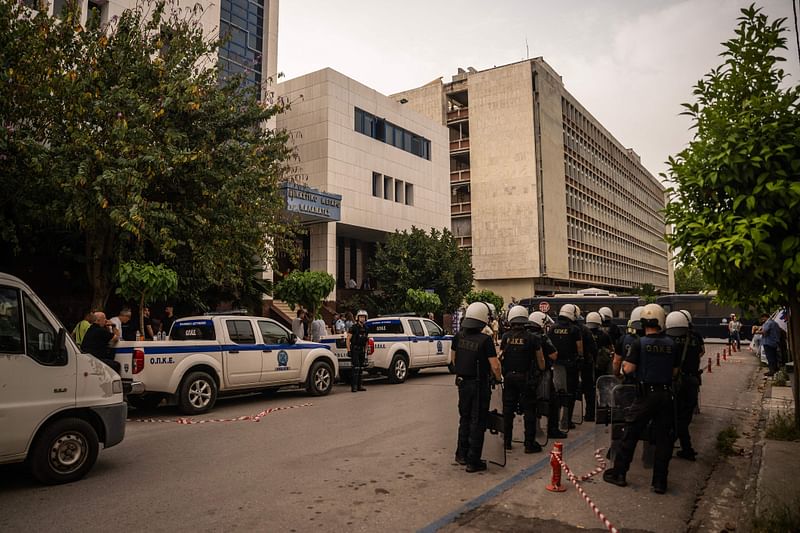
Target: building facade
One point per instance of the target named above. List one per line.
(544, 197)
(387, 164)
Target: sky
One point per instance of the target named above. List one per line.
(631, 63)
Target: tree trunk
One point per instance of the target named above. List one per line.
(99, 262)
(141, 317)
(793, 326)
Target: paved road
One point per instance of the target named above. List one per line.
(376, 460)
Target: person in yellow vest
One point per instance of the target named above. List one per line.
(82, 327)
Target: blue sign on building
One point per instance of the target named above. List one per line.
(312, 205)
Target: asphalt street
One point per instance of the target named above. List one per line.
(375, 460)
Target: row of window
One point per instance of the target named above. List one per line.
(392, 189)
(384, 131)
(242, 21)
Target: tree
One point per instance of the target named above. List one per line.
(735, 206)
(421, 302)
(145, 282)
(689, 279)
(485, 296)
(647, 291)
(418, 260)
(126, 135)
(307, 289)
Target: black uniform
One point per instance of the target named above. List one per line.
(688, 386)
(358, 354)
(96, 342)
(605, 353)
(473, 350)
(565, 336)
(610, 329)
(521, 376)
(654, 356)
(587, 371)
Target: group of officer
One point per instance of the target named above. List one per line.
(547, 366)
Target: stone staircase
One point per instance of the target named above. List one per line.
(280, 311)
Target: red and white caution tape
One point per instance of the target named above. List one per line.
(247, 418)
(601, 464)
(585, 496)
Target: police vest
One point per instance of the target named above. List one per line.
(625, 345)
(563, 336)
(471, 360)
(656, 359)
(358, 337)
(519, 351)
(691, 361)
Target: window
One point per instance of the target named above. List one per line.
(388, 188)
(381, 130)
(384, 326)
(241, 331)
(273, 333)
(199, 330)
(10, 322)
(40, 337)
(399, 191)
(409, 194)
(416, 328)
(433, 329)
(377, 185)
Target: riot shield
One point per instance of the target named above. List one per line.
(621, 412)
(561, 396)
(494, 444)
(604, 401)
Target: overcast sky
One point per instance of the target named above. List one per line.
(629, 62)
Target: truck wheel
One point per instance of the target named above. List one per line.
(197, 393)
(146, 401)
(398, 370)
(320, 378)
(64, 451)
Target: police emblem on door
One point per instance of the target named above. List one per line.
(439, 348)
(283, 360)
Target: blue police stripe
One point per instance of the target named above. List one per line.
(212, 348)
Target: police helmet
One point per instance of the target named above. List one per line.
(537, 318)
(518, 315)
(688, 315)
(476, 316)
(606, 313)
(569, 311)
(492, 310)
(594, 320)
(653, 316)
(677, 324)
(362, 312)
(636, 315)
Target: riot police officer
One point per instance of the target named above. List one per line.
(475, 360)
(546, 404)
(586, 369)
(567, 337)
(652, 358)
(522, 362)
(632, 334)
(690, 347)
(608, 326)
(357, 348)
(604, 344)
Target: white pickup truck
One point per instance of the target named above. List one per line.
(206, 355)
(405, 344)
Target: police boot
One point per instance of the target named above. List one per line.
(360, 378)
(354, 379)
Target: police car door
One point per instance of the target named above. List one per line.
(242, 354)
(281, 361)
(418, 343)
(439, 344)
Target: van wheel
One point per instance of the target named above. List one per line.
(64, 451)
(320, 379)
(197, 393)
(398, 370)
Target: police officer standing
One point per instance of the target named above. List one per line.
(522, 361)
(690, 347)
(357, 348)
(632, 334)
(567, 337)
(604, 344)
(474, 358)
(655, 364)
(586, 369)
(608, 326)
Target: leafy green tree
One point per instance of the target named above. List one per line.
(487, 296)
(307, 289)
(130, 139)
(647, 291)
(422, 302)
(735, 207)
(418, 260)
(689, 279)
(145, 282)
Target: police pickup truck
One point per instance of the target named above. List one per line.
(205, 356)
(404, 345)
(338, 345)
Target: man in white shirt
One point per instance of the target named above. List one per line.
(318, 329)
(298, 328)
(123, 317)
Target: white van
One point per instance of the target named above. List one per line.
(56, 403)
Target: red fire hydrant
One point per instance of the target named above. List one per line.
(555, 479)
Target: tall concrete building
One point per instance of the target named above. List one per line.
(543, 196)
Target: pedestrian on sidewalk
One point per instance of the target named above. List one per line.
(770, 340)
(734, 327)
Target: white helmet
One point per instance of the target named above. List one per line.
(492, 310)
(569, 311)
(636, 315)
(653, 316)
(606, 313)
(594, 320)
(517, 315)
(362, 312)
(537, 318)
(687, 314)
(476, 316)
(677, 324)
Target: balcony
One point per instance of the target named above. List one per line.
(457, 176)
(459, 145)
(460, 208)
(458, 114)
